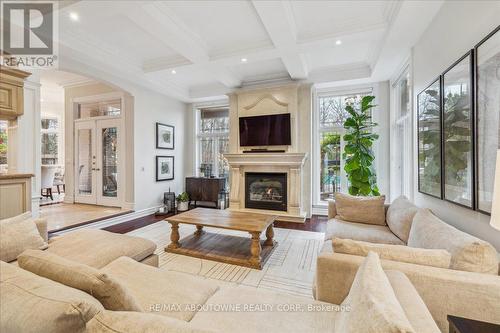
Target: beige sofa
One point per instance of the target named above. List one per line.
(446, 291)
(92, 247)
(178, 302)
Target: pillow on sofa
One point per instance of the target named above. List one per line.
(112, 294)
(400, 216)
(136, 322)
(402, 253)
(368, 210)
(371, 302)
(33, 304)
(468, 253)
(17, 234)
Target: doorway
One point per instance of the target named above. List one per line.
(98, 152)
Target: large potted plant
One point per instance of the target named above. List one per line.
(358, 152)
(183, 202)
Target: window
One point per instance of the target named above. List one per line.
(401, 143)
(50, 137)
(213, 141)
(99, 109)
(3, 145)
(329, 164)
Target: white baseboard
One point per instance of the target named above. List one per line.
(320, 211)
(112, 221)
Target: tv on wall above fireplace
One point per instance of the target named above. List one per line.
(271, 130)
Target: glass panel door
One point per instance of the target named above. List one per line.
(108, 184)
(97, 168)
(85, 162)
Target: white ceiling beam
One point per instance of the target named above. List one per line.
(162, 23)
(277, 18)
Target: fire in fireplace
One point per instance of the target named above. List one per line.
(266, 191)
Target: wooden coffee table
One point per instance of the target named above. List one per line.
(250, 252)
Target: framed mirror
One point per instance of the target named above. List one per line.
(429, 140)
(487, 55)
(458, 132)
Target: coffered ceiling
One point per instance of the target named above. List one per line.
(191, 50)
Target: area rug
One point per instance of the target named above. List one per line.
(290, 269)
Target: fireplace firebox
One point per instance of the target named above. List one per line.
(266, 190)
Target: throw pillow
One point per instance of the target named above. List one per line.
(400, 216)
(468, 253)
(111, 294)
(32, 304)
(371, 305)
(17, 234)
(368, 210)
(402, 253)
(135, 322)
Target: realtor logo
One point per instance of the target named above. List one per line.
(28, 34)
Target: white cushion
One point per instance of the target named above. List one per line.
(468, 253)
(360, 209)
(360, 231)
(17, 234)
(400, 216)
(428, 257)
(372, 304)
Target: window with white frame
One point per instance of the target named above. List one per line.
(329, 165)
(50, 138)
(213, 141)
(401, 141)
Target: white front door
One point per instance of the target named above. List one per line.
(97, 170)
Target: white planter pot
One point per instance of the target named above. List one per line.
(182, 206)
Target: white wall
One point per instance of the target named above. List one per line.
(457, 27)
(149, 108)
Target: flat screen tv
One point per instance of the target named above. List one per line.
(272, 130)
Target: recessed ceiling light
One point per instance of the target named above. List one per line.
(174, 71)
(74, 16)
(244, 59)
(338, 42)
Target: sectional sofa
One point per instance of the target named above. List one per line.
(454, 272)
(91, 281)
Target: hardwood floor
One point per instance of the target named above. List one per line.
(64, 216)
(316, 223)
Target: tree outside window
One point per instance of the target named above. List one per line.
(213, 140)
(332, 116)
(3, 142)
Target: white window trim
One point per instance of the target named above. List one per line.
(318, 205)
(196, 133)
(395, 121)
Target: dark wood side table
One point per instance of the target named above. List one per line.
(464, 325)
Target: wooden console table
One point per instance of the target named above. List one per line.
(205, 189)
(250, 252)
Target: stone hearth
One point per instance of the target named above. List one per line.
(291, 164)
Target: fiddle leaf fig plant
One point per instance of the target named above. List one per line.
(358, 152)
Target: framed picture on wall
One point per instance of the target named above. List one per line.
(165, 136)
(458, 132)
(429, 140)
(487, 59)
(164, 168)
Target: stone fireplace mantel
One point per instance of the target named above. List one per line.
(290, 163)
